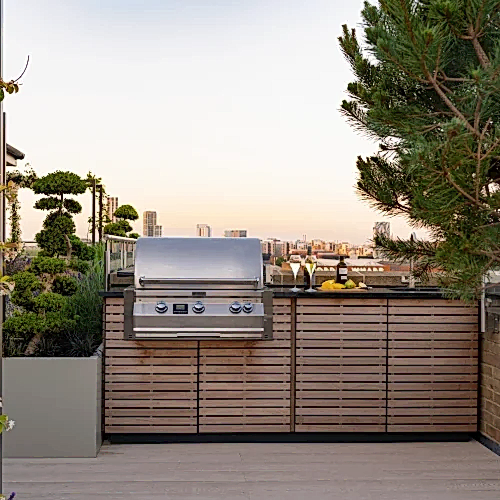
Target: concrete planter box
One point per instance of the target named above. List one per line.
(56, 403)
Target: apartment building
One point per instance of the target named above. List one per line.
(203, 230)
(148, 224)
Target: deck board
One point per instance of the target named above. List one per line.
(260, 471)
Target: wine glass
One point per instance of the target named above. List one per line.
(310, 267)
(295, 269)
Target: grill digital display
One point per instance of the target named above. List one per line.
(180, 309)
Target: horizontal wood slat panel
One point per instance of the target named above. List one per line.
(119, 427)
(150, 386)
(432, 366)
(341, 357)
(361, 365)
(244, 386)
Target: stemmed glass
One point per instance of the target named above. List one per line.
(311, 267)
(295, 269)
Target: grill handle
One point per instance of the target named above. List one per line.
(201, 281)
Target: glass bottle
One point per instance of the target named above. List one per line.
(341, 271)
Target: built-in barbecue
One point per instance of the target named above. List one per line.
(198, 288)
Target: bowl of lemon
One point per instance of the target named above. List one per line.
(348, 285)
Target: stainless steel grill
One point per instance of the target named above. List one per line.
(198, 288)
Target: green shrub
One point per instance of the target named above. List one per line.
(52, 242)
(81, 250)
(48, 265)
(48, 302)
(64, 285)
(57, 324)
(23, 326)
(80, 266)
(66, 326)
(25, 284)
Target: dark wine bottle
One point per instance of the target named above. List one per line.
(307, 278)
(341, 271)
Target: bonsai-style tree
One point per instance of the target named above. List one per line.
(426, 90)
(122, 226)
(55, 238)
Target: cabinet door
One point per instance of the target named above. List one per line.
(433, 366)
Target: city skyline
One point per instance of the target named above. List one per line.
(248, 89)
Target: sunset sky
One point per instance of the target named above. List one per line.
(219, 112)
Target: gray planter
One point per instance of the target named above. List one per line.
(56, 404)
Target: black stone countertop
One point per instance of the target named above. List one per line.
(373, 293)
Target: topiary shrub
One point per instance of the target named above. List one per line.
(122, 226)
(54, 338)
(64, 285)
(26, 284)
(81, 250)
(48, 302)
(48, 265)
(18, 330)
(80, 266)
(22, 326)
(54, 238)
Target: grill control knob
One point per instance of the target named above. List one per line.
(235, 307)
(161, 307)
(248, 307)
(198, 307)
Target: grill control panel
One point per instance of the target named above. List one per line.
(198, 308)
(181, 315)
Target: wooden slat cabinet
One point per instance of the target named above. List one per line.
(341, 365)
(335, 364)
(150, 386)
(245, 385)
(432, 366)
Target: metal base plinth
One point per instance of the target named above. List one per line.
(490, 444)
(289, 437)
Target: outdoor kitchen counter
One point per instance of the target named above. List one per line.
(379, 360)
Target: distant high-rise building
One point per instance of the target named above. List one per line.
(235, 233)
(157, 231)
(148, 224)
(112, 205)
(266, 246)
(203, 230)
(382, 229)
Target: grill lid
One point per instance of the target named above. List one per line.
(198, 263)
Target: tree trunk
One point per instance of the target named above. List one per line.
(69, 247)
(33, 344)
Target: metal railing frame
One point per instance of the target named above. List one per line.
(108, 240)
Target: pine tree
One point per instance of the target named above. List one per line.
(427, 89)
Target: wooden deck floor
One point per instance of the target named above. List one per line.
(399, 471)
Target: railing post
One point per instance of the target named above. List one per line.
(93, 210)
(100, 211)
(107, 264)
